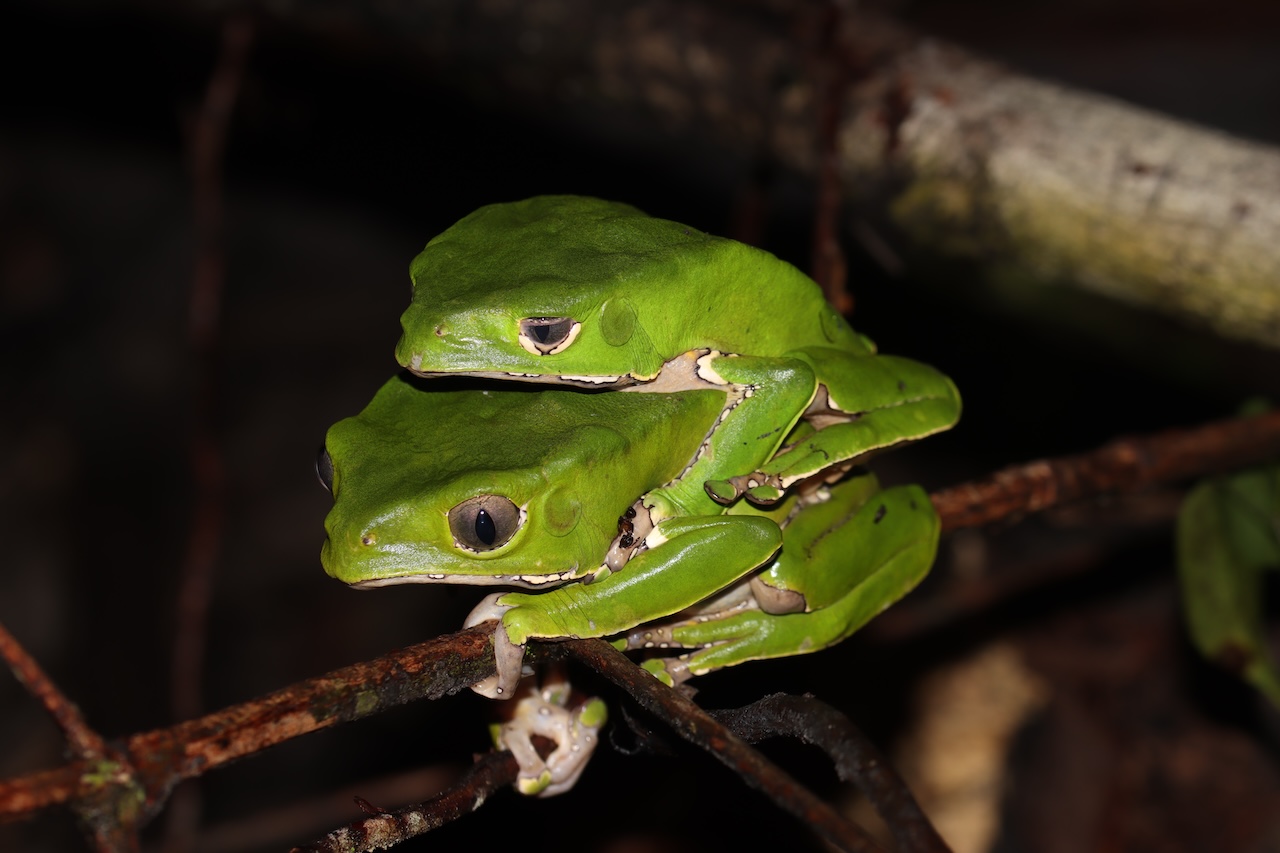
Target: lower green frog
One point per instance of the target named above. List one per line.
(533, 489)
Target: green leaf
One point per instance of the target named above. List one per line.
(1228, 536)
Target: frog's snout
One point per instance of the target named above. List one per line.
(344, 554)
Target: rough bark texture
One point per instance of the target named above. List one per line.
(1047, 184)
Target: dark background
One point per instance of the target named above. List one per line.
(342, 161)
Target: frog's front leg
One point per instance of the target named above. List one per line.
(865, 404)
(765, 398)
(687, 560)
(544, 710)
(842, 562)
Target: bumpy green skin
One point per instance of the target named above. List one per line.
(644, 292)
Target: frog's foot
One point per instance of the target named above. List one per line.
(509, 656)
(634, 525)
(649, 637)
(662, 634)
(575, 731)
(760, 488)
(672, 671)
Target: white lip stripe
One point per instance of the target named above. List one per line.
(527, 581)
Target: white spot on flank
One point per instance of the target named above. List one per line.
(707, 372)
(654, 539)
(539, 580)
(591, 380)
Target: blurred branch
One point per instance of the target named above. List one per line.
(1124, 465)
(703, 730)
(856, 759)
(207, 142)
(489, 774)
(969, 160)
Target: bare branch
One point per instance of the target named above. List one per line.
(207, 138)
(698, 727)
(489, 774)
(1123, 465)
(154, 761)
(856, 759)
(84, 742)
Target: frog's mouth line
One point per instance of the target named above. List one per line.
(526, 581)
(547, 378)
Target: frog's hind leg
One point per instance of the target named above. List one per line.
(847, 573)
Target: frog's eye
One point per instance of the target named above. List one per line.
(324, 469)
(485, 522)
(548, 335)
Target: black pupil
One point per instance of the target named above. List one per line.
(486, 530)
(542, 333)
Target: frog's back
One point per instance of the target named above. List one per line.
(433, 431)
(569, 255)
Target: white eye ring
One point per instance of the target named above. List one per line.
(548, 335)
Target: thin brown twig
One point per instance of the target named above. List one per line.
(1123, 465)
(855, 757)
(700, 728)
(489, 774)
(830, 269)
(207, 145)
(100, 795)
(83, 741)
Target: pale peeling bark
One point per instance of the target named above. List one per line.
(1035, 181)
(1044, 183)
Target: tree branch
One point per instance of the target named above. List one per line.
(1124, 465)
(856, 759)
(153, 762)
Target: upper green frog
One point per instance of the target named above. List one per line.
(592, 293)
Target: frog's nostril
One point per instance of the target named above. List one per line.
(369, 539)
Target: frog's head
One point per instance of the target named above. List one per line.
(466, 486)
(564, 287)
(505, 532)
